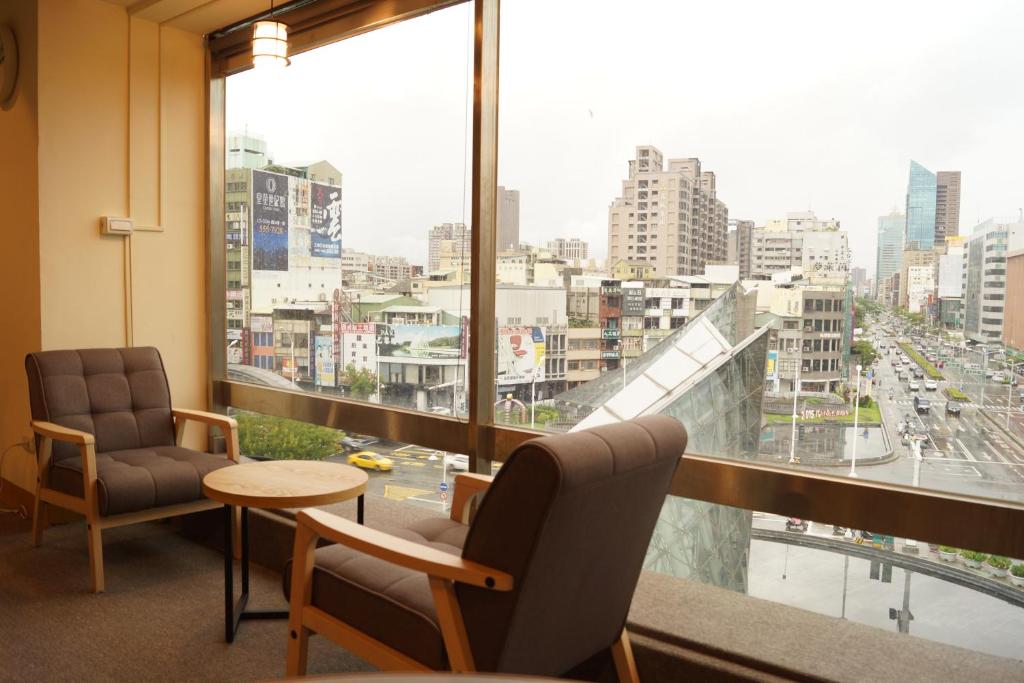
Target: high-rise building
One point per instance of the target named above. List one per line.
(889, 257)
(933, 207)
(572, 249)
(740, 236)
(669, 217)
(858, 279)
(915, 258)
(1013, 322)
(984, 273)
(950, 283)
(457, 233)
(508, 219)
(920, 208)
(947, 205)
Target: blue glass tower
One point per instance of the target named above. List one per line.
(920, 207)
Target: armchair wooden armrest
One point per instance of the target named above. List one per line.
(467, 488)
(435, 563)
(50, 430)
(228, 425)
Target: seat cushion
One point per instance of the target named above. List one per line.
(140, 478)
(386, 602)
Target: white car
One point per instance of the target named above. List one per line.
(456, 462)
(913, 386)
(998, 377)
(931, 385)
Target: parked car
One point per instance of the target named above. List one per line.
(796, 524)
(930, 385)
(953, 408)
(368, 460)
(998, 377)
(922, 405)
(913, 386)
(356, 442)
(456, 462)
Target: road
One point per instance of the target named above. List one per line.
(416, 478)
(966, 454)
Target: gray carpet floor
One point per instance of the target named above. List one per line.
(160, 619)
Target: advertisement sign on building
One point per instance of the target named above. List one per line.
(632, 301)
(269, 221)
(419, 341)
(325, 221)
(771, 368)
(324, 355)
(521, 355)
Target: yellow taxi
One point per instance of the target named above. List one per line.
(369, 460)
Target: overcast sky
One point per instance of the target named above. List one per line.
(793, 105)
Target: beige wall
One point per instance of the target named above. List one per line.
(19, 276)
(121, 132)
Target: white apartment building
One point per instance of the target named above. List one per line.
(920, 287)
(572, 249)
(984, 277)
(818, 248)
(669, 217)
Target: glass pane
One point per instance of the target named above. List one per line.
(346, 201)
(650, 279)
(700, 225)
(398, 471)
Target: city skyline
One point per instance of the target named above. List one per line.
(815, 142)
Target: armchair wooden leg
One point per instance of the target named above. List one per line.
(301, 594)
(625, 666)
(453, 629)
(40, 519)
(95, 556)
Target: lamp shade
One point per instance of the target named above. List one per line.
(269, 44)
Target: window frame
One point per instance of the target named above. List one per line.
(986, 525)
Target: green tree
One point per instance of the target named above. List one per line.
(866, 351)
(361, 382)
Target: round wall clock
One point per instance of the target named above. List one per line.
(8, 65)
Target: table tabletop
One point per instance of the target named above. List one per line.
(284, 483)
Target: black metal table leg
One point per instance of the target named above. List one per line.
(359, 509)
(235, 612)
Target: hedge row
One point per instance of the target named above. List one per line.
(928, 368)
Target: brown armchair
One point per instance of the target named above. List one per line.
(538, 583)
(108, 443)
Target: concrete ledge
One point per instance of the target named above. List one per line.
(754, 639)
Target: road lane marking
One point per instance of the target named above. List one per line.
(969, 455)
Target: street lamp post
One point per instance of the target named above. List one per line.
(856, 415)
(796, 393)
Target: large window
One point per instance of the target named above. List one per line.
(635, 146)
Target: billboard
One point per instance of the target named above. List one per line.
(325, 376)
(632, 301)
(269, 221)
(521, 355)
(419, 341)
(325, 221)
(771, 368)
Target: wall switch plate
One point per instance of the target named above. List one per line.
(112, 225)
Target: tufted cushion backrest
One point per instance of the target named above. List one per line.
(570, 516)
(118, 395)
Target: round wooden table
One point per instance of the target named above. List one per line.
(273, 484)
